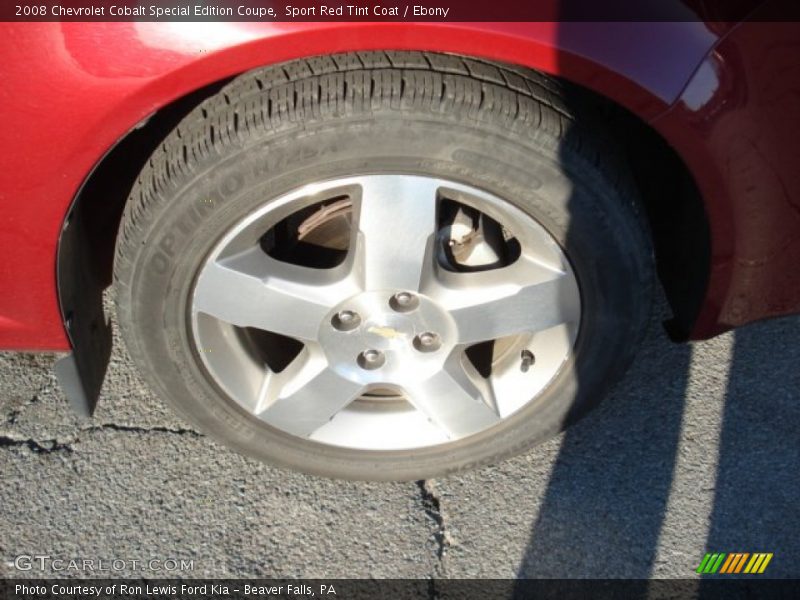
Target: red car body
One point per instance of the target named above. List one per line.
(724, 96)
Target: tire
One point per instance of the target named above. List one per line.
(507, 132)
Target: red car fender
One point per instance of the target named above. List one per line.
(737, 128)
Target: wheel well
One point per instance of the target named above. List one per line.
(100, 202)
(85, 256)
(673, 206)
(677, 218)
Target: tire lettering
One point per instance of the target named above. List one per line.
(167, 244)
(160, 263)
(278, 162)
(232, 184)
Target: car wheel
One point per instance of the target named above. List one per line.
(383, 265)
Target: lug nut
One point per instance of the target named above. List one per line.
(427, 342)
(403, 302)
(345, 320)
(371, 359)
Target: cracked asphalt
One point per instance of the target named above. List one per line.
(698, 448)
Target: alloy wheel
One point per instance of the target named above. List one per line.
(385, 312)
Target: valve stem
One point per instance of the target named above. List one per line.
(528, 359)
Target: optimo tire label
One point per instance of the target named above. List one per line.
(231, 185)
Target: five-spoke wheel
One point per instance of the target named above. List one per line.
(393, 315)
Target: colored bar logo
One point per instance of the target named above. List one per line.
(734, 562)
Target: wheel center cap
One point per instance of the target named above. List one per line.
(387, 337)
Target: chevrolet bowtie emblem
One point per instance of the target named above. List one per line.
(386, 332)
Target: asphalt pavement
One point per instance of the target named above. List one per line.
(697, 450)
